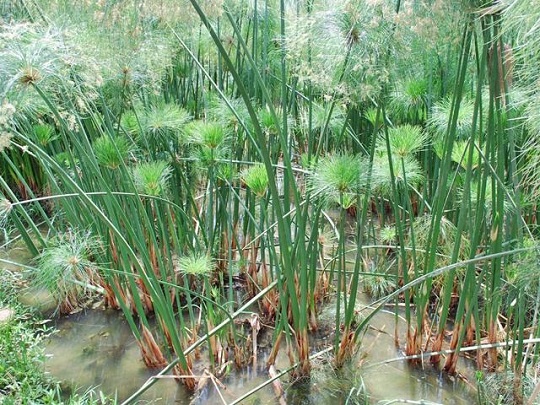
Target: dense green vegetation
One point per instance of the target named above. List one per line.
(21, 371)
(163, 153)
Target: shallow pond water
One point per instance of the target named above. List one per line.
(96, 349)
(399, 380)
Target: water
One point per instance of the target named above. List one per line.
(95, 348)
(399, 380)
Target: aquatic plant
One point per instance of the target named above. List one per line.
(112, 152)
(65, 270)
(151, 177)
(461, 155)
(198, 158)
(441, 114)
(256, 178)
(409, 102)
(407, 173)
(339, 179)
(378, 285)
(161, 127)
(405, 140)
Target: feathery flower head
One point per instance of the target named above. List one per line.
(7, 110)
(196, 264)
(151, 177)
(339, 178)
(256, 178)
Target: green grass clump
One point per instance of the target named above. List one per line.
(21, 359)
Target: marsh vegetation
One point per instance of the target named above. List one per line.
(216, 170)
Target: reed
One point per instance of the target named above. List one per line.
(228, 157)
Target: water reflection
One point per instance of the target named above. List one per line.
(398, 380)
(96, 348)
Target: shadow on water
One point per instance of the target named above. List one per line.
(95, 348)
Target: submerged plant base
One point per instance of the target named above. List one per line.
(96, 348)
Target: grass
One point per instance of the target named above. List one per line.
(217, 160)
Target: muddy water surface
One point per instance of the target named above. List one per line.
(398, 380)
(96, 349)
